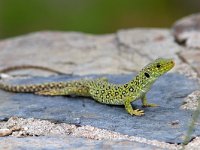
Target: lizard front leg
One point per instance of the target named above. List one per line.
(130, 109)
(145, 103)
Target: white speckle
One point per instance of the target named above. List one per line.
(3, 76)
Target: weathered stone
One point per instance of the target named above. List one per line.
(78, 53)
(5, 132)
(187, 31)
(73, 52)
(67, 142)
(40, 128)
(148, 43)
(192, 57)
(124, 52)
(191, 101)
(168, 92)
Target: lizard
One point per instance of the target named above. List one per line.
(101, 89)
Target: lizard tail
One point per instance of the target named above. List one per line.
(32, 88)
(79, 87)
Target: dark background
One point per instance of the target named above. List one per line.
(90, 16)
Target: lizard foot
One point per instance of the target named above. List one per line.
(137, 112)
(150, 105)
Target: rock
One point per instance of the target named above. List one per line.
(124, 52)
(40, 128)
(187, 31)
(73, 52)
(191, 101)
(80, 54)
(148, 43)
(5, 132)
(169, 92)
(192, 58)
(63, 143)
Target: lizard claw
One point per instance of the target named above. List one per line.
(138, 112)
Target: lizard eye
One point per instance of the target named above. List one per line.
(158, 66)
(147, 75)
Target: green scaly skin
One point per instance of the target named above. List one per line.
(103, 91)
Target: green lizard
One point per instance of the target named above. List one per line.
(103, 91)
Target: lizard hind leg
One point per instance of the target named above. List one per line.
(146, 104)
(52, 92)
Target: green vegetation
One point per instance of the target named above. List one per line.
(92, 16)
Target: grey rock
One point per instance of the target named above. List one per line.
(192, 58)
(63, 143)
(147, 44)
(73, 52)
(187, 31)
(158, 123)
(77, 53)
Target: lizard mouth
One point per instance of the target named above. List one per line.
(170, 64)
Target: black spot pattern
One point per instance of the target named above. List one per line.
(131, 89)
(158, 65)
(146, 74)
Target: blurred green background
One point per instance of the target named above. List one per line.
(91, 16)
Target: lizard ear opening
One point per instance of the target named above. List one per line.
(158, 65)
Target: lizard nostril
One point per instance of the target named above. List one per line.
(172, 63)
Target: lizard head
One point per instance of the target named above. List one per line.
(158, 68)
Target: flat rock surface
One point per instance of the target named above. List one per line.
(125, 51)
(68, 142)
(71, 52)
(168, 120)
(192, 57)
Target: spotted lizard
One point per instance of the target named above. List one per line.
(103, 91)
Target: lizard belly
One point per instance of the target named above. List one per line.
(111, 101)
